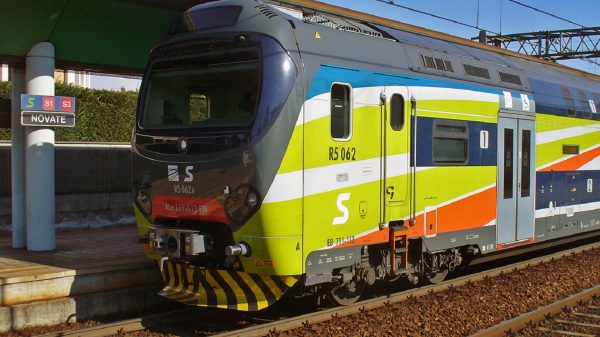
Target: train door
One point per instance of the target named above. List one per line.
(396, 153)
(516, 179)
(342, 172)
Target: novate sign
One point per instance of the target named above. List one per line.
(39, 110)
(39, 118)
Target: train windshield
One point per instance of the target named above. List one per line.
(216, 87)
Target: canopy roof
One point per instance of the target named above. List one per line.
(100, 35)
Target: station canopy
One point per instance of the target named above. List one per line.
(109, 36)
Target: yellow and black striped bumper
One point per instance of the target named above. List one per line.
(227, 289)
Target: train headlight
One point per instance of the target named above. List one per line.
(242, 203)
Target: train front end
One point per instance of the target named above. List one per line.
(217, 108)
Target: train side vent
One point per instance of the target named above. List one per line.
(476, 71)
(436, 63)
(266, 11)
(510, 78)
(448, 65)
(341, 24)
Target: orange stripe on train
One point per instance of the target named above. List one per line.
(574, 163)
(476, 210)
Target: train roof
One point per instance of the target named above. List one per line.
(445, 42)
(557, 89)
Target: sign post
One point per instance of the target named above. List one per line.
(39, 154)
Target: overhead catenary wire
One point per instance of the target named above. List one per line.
(476, 26)
(547, 13)
(391, 2)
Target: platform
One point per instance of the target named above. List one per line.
(92, 273)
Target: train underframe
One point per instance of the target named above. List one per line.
(382, 262)
(388, 262)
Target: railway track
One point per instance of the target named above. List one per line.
(275, 325)
(571, 309)
(132, 325)
(335, 313)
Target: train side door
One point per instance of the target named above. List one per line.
(396, 153)
(516, 179)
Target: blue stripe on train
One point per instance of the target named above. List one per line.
(567, 188)
(477, 156)
(327, 75)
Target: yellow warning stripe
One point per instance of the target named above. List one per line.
(219, 292)
(261, 299)
(223, 288)
(242, 304)
(271, 284)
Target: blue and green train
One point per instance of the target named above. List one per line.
(318, 152)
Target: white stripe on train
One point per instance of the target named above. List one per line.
(318, 106)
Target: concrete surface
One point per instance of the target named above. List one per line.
(92, 273)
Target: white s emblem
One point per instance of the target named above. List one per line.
(173, 173)
(188, 174)
(344, 217)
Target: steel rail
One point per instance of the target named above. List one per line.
(333, 313)
(538, 315)
(129, 325)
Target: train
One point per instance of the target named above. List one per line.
(283, 149)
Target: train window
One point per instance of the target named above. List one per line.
(509, 78)
(198, 92)
(397, 112)
(525, 163)
(340, 111)
(583, 100)
(508, 164)
(199, 108)
(592, 106)
(570, 103)
(450, 142)
(476, 71)
(596, 100)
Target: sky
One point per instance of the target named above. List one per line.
(501, 16)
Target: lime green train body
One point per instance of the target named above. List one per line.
(273, 154)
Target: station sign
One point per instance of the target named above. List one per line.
(39, 110)
(41, 118)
